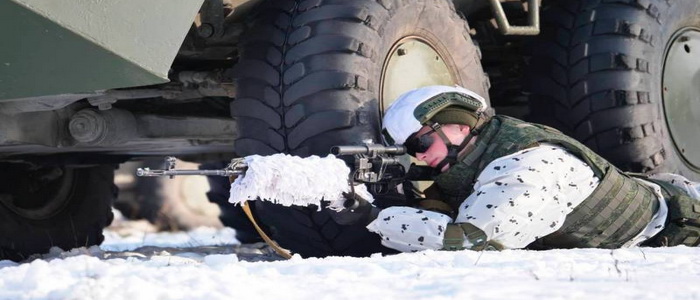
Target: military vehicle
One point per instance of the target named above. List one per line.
(86, 85)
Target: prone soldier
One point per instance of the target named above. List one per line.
(503, 183)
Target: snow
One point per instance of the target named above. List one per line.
(291, 180)
(210, 264)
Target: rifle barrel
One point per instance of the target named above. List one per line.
(152, 173)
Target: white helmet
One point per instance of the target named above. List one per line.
(415, 109)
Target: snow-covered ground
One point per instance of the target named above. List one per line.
(209, 264)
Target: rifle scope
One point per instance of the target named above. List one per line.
(370, 149)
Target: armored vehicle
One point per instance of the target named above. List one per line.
(86, 85)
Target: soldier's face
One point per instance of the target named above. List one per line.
(438, 150)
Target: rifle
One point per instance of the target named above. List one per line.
(375, 165)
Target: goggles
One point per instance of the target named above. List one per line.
(419, 144)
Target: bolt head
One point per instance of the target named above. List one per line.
(205, 30)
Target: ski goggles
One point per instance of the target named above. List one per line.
(419, 144)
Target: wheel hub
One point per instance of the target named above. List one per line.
(412, 63)
(681, 95)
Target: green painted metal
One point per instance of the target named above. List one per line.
(681, 82)
(50, 47)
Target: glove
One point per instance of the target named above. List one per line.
(357, 211)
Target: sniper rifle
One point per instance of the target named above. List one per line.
(378, 166)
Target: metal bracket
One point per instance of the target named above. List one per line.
(193, 85)
(212, 16)
(533, 11)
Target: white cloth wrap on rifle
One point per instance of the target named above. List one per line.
(291, 180)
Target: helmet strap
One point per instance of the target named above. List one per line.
(453, 151)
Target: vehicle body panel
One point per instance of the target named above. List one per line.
(56, 47)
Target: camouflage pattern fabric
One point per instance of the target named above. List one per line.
(615, 212)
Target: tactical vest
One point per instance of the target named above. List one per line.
(617, 210)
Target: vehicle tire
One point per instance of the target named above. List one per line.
(317, 73)
(65, 207)
(618, 76)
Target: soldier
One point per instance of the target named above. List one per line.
(504, 183)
